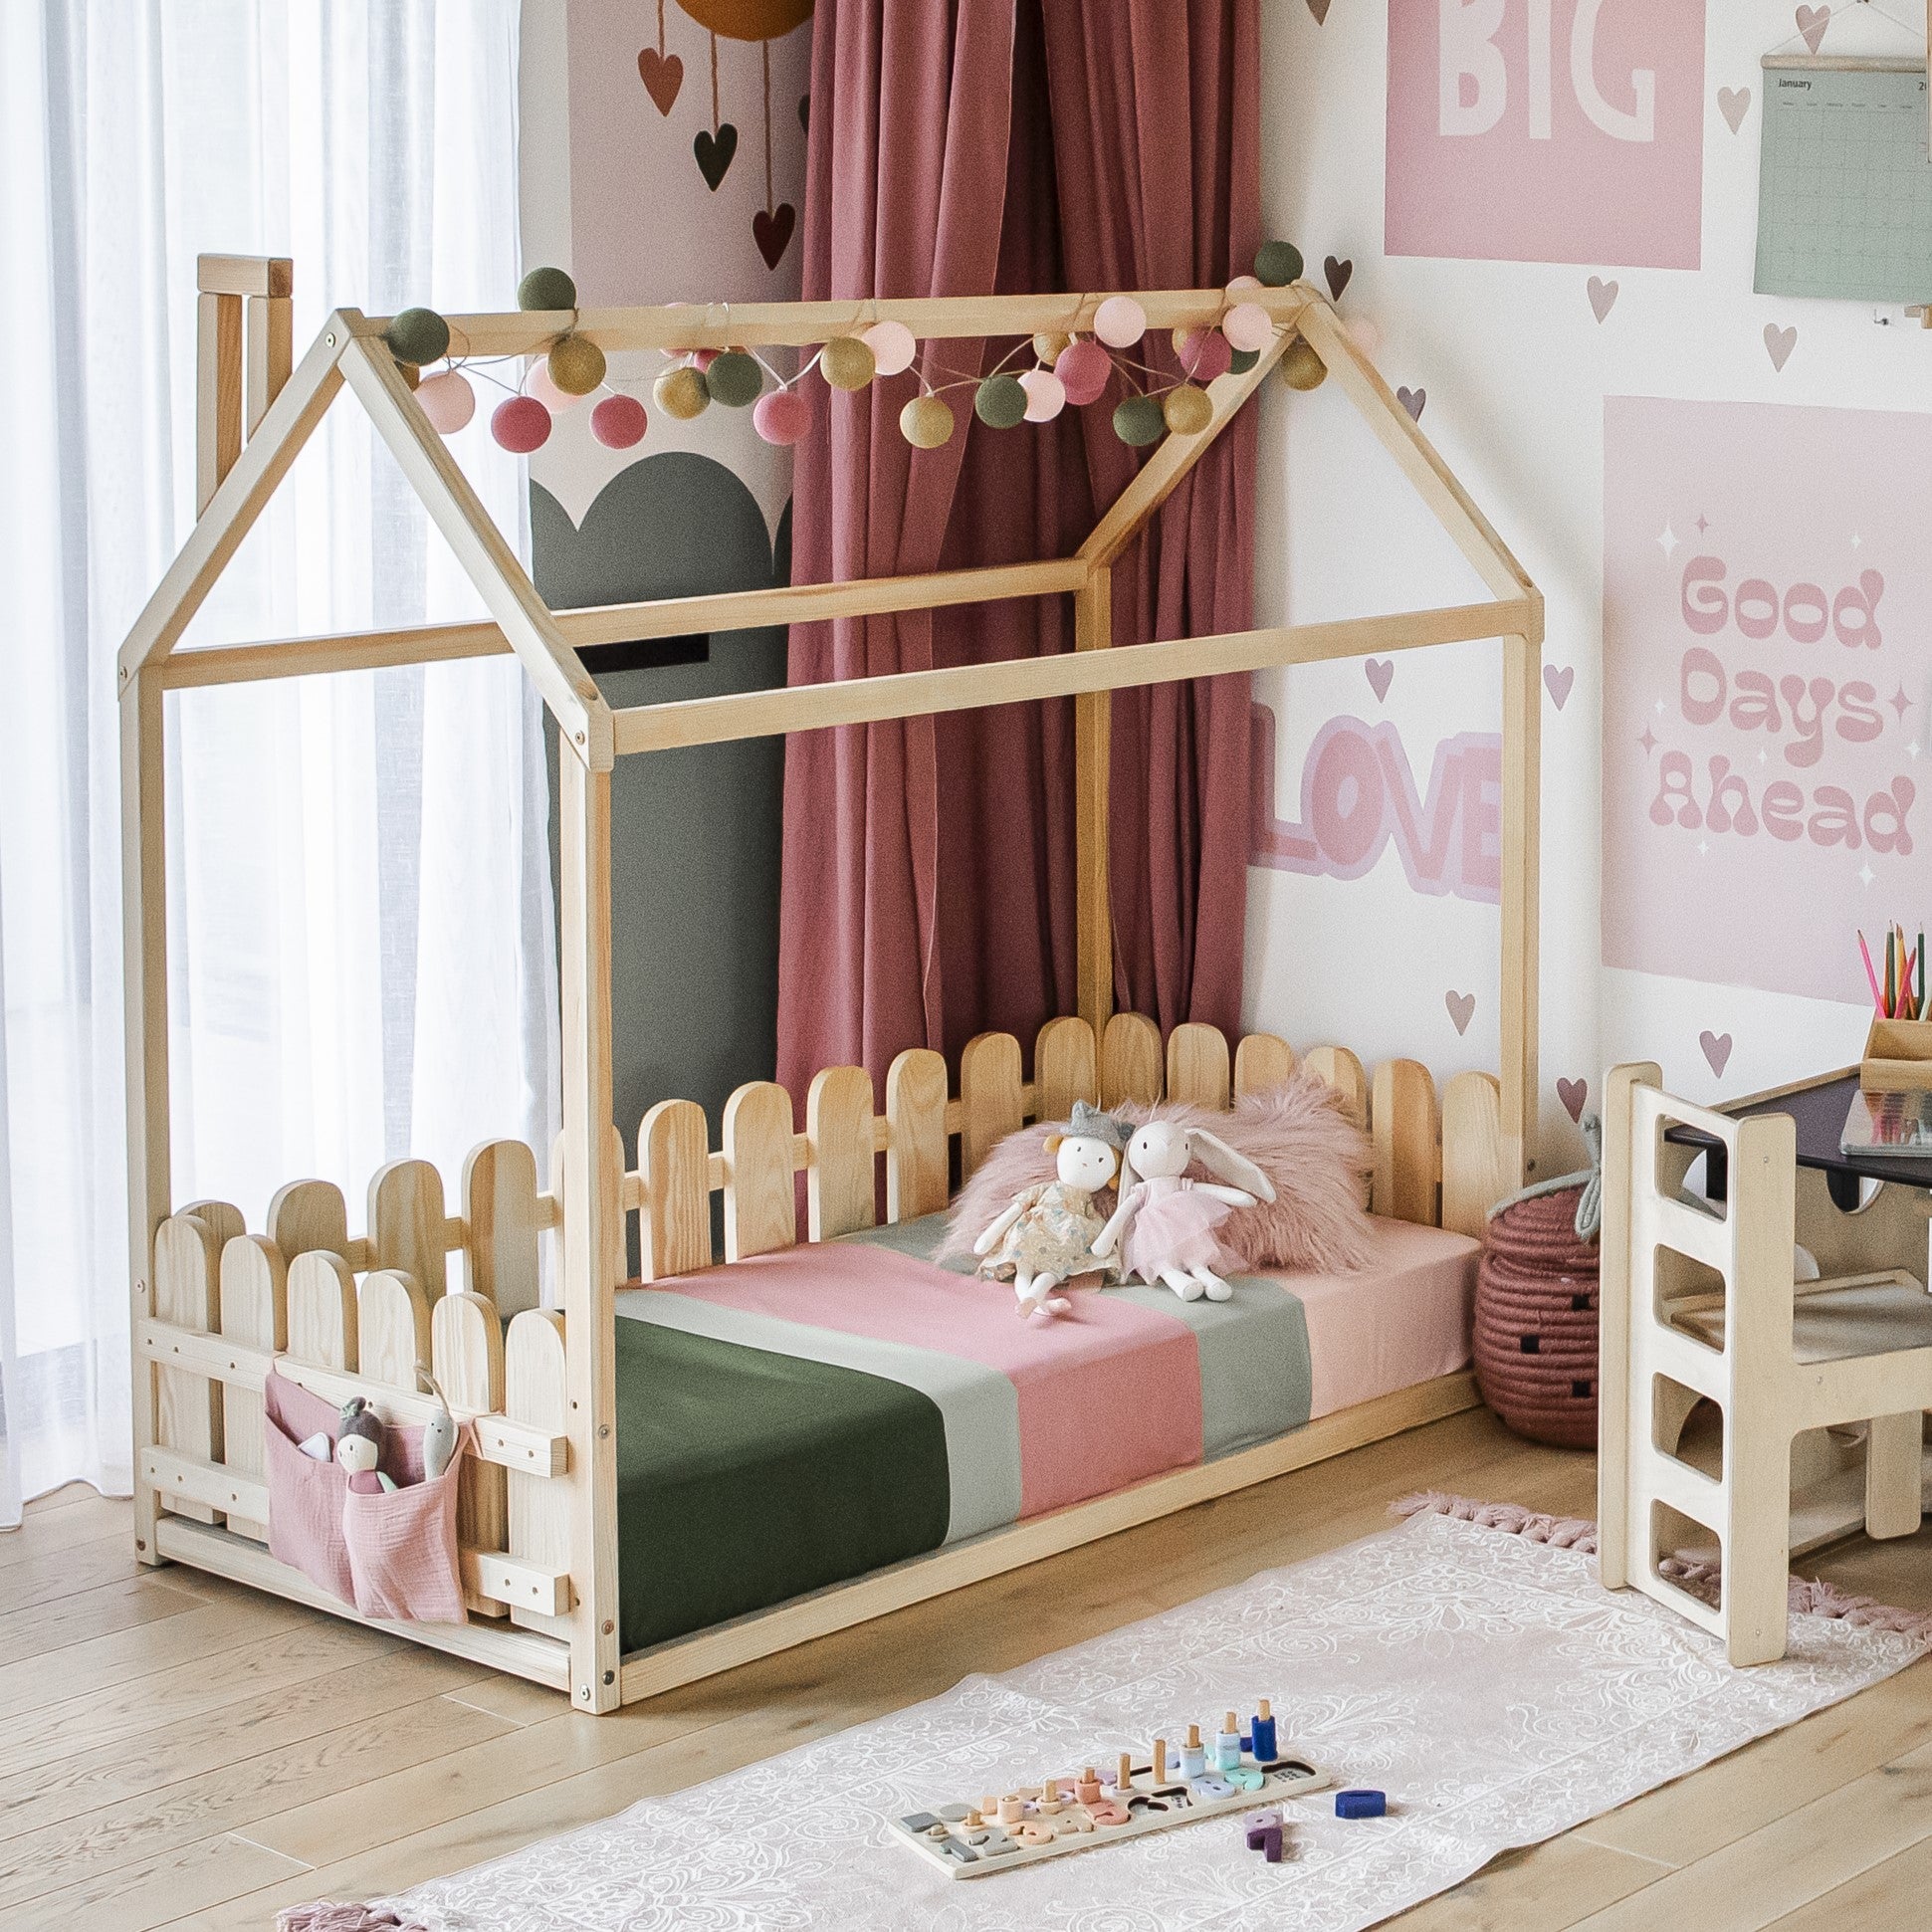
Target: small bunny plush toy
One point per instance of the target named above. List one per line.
(1167, 1226)
(1047, 1236)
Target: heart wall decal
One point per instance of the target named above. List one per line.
(772, 230)
(1558, 683)
(1717, 1050)
(1779, 343)
(1462, 1006)
(663, 75)
(1415, 402)
(1603, 296)
(1319, 8)
(1381, 673)
(1734, 104)
(713, 152)
(1573, 1094)
(1338, 274)
(1812, 22)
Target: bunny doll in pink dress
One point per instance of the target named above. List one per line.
(1168, 1227)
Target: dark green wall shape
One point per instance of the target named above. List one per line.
(694, 833)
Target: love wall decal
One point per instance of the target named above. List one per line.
(1603, 296)
(1717, 1050)
(1338, 274)
(1462, 1007)
(1734, 104)
(1558, 683)
(1415, 402)
(1381, 673)
(1573, 1094)
(1779, 343)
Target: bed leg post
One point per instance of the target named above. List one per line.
(591, 1210)
(144, 931)
(1093, 630)
(1522, 791)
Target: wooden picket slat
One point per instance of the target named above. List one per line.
(1129, 1060)
(534, 1392)
(322, 1326)
(1198, 1069)
(223, 1219)
(674, 1158)
(1407, 1133)
(1342, 1071)
(187, 1262)
(467, 1357)
(392, 1323)
(1261, 1061)
(617, 1262)
(503, 1222)
(308, 1216)
(1066, 1068)
(992, 1097)
(406, 1216)
(761, 1202)
(917, 1180)
(840, 1188)
(1475, 1175)
(255, 1310)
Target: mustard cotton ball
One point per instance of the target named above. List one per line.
(577, 365)
(681, 392)
(1187, 410)
(848, 363)
(1301, 368)
(925, 422)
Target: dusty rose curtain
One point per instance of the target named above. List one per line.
(959, 146)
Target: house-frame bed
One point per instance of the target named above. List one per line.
(215, 1307)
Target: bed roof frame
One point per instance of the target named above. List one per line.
(247, 369)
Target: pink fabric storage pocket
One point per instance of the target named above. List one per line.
(391, 1555)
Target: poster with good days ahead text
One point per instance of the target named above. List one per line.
(1767, 643)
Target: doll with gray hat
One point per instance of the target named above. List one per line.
(1046, 1238)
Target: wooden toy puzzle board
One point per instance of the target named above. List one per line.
(961, 1850)
(1844, 186)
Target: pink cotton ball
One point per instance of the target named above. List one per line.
(521, 425)
(702, 358)
(620, 422)
(539, 387)
(1083, 367)
(448, 401)
(1203, 354)
(1120, 321)
(1247, 326)
(782, 416)
(893, 347)
(1366, 334)
(1046, 394)
(1244, 285)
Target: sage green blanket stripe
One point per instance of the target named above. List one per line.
(978, 1406)
(746, 1477)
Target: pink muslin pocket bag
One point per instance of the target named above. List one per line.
(392, 1554)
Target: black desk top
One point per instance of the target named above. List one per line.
(1819, 1112)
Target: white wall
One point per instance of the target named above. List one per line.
(1516, 367)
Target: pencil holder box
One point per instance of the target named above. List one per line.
(1898, 1056)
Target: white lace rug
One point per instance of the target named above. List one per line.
(1482, 1678)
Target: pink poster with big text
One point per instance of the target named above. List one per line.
(1547, 131)
(1767, 653)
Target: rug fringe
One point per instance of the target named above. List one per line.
(1809, 1598)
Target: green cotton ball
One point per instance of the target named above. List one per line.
(1278, 264)
(417, 336)
(1139, 420)
(1001, 402)
(735, 379)
(547, 289)
(1242, 361)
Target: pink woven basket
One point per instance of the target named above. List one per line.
(1536, 1321)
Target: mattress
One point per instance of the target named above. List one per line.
(797, 1420)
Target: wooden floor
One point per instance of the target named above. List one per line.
(177, 1752)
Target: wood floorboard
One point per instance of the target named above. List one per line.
(230, 1755)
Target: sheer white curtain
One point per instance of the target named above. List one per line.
(359, 891)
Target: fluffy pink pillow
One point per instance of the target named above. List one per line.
(1297, 1133)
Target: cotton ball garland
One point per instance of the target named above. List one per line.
(1120, 321)
(547, 289)
(1301, 368)
(577, 365)
(925, 422)
(1187, 410)
(539, 383)
(1048, 343)
(1366, 334)
(1242, 361)
(1001, 402)
(620, 422)
(784, 416)
(1046, 395)
(448, 401)
(681, 392)
(1248, 326)
(1139, 420)
(893, 347)
(735, 379)
(1083, 367)
(701, 360)
(1244, 285)
(1203, 354)
(1278, 264)
(417, 336)
(521, 425)
(848, 362)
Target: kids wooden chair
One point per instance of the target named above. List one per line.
(1698, 1301)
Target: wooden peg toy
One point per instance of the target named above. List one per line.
(1123, 1777)
(1159, 1761)
(1050, 1799)
(1262, 1733)
(1087, 1790)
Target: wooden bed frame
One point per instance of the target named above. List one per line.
(214, 1306)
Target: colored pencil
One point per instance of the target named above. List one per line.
(1892, 976)
(1871, 972)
